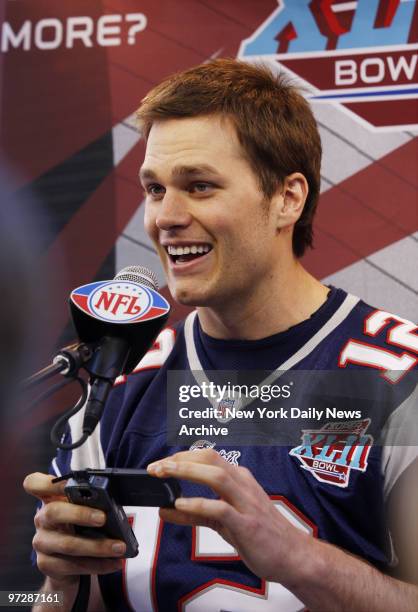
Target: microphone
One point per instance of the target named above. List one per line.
(120, 319)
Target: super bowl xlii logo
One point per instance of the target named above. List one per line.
(361, 55)
(330, 453)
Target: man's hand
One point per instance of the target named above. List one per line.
(244, 515)
(321, 575)
(62, 555)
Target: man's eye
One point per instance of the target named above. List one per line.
(201, 187)
(155, 190)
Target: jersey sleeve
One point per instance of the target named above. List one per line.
(387, 345)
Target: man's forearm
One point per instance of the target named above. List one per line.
(327, 578)
(69, 588)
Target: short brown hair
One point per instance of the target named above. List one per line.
(274, 123)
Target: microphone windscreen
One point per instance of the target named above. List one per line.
(138, 274)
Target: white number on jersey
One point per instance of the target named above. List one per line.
(207, 545)
(156, 356)
(402, 334)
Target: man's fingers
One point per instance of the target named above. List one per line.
(171, 515)
(60, 552)
(213, 513)
(216, 477)
(58, 513)
(232, 483)
(203, 455)
(189, 510)
(42, 487)
(57, 543)
(213, 509)
(58, 567)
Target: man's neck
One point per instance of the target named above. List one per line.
(286, 303)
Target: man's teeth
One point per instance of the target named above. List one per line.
(186, 250)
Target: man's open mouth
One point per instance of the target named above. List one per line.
(186, 253)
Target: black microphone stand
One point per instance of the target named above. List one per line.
(67, 362)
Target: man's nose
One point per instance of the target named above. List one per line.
(173, 211)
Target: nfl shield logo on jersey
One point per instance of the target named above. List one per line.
(330, 453)
(224, 410)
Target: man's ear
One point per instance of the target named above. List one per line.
(291, 198)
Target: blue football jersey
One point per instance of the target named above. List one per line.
(332, 482)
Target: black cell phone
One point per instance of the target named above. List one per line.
(132, 487)
(109, 489)
(94, 492)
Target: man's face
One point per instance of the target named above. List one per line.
(206, 214)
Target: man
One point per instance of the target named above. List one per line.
(231, 176)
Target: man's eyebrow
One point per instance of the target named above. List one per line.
(180, 171)
(194, 170)
(145, 173)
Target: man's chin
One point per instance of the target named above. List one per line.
(188, 296)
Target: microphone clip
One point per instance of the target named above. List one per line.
(67, 362)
